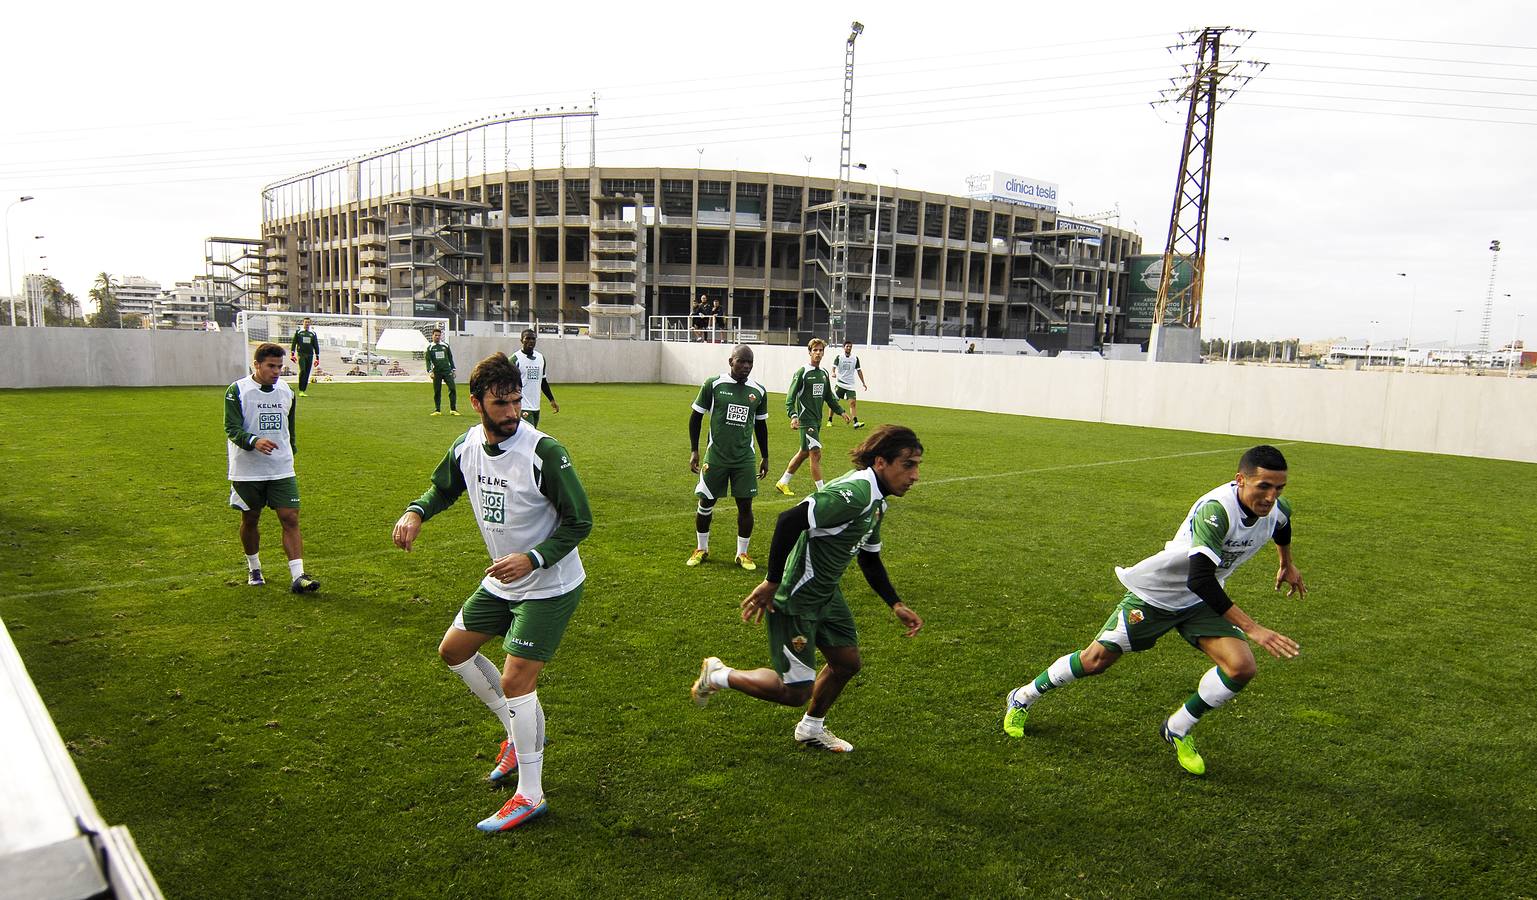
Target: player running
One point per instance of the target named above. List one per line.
(738, 410)
(305, 347)
(259, 422)
(532, 512)
(1181, 588)
(809, 388)
(814, 542)
(845, 370)
(535, 371)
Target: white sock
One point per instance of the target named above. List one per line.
(819, 484)
(742, 544)
(785, 478)
(485, 683)
(813, 724)
(528, 739)
(703, 537)
(1181, 722)
(720, 678)
(253, 561)
(295, 568)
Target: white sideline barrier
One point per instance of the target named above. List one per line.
(1465, 416)
(53, 842)
(90, 357)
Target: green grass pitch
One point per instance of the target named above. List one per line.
(260, 744)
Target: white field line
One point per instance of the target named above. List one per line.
(234, 572)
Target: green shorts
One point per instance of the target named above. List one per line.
(1137, 625)
(793, 639)
(531, 416)
(533, 628)
(715, 479)
(811, 435)
(278, 493)
(845, 393)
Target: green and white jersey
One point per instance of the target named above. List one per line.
(253, 411)
(526, 498)
(533, 369)
(846, 370)
(845, 518)
(304, 343)
(733, 407)
(440, 359)
(809, 389)
(1216, 528)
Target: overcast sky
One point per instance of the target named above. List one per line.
(1383, 137)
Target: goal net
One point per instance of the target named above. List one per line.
(348, 343)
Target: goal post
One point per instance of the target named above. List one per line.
(346, 341)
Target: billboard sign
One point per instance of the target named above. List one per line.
(1010, 188)
(1142, 292)
(1092, 232)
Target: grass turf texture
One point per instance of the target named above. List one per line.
(263, 744)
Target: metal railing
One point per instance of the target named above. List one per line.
(716, 330)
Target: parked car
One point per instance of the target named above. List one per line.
(366, 358)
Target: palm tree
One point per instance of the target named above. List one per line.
(104, 292)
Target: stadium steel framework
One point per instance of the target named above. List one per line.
(389, 233)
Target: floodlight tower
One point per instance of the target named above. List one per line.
(840, 246)
(1483, 332)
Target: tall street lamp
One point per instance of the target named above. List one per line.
(1456, 327)
(875, 250)
(1414, 293)
(1233, 322)
(10, 285)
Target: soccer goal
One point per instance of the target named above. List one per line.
(348, 343)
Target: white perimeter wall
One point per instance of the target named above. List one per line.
(82, 357)
(1491, 416)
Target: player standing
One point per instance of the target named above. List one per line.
(534, 370)
(845, 369)
(814, 542)
(1182, 588)
(809, 388)
(532, 512)
(440, 365)
(738, 409)
(305, 346)
(259, 422)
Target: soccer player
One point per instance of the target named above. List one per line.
(845, 368)
(814, 542)
(440, 365)
(305, 346)
(809, 388)
(259, 422)
(533, 367)
(532, 512)
(738, 409)
(1181, 588)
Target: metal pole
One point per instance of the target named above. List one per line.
(1414, 294)
(875, 249)
(10, 285)
(1232, 325)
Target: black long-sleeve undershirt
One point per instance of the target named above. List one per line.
(1202, 581)
(875, 573)
(787, 530)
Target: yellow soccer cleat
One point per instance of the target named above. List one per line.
(697, 557)
(745, 561)
(783, 488)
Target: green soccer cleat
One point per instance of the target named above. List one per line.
(303, 394)
(1184, 750)
(1014, 716)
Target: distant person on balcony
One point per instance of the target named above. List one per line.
(971, 347)
(259, 422)
(440, 365)
(699, 318)
(717, 321)
(845, 370)
(809, 389)
(533, 368)
(305, 346)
